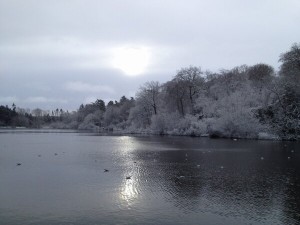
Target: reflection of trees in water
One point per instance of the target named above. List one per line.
(245, 187)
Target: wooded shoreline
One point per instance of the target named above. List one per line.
(250, 102)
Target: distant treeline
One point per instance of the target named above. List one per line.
(244, 102)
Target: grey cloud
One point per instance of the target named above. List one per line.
(45, 44)
(85, 87)
(40, 99)
(8, 99)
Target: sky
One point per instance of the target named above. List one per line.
(61, 53)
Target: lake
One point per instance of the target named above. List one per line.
(173, 180)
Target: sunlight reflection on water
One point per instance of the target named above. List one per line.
(129, 191)
(129, 187)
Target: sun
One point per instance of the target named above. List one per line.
(132, 61)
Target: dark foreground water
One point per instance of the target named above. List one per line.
(174, 180)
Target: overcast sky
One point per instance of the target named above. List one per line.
(61, 53)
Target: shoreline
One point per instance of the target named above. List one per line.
(118, 132)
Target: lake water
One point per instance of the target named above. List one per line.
(174, 180)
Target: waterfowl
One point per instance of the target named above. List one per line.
(19, 164)
(129, 177)
(106, 170)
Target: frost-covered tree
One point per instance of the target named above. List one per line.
(146, 104)
(90, 108)
(117, 113)
(99, 105)
(260, 74)
(290, 60)
(148, 95)
(183, 89)
(37, 112)
(89, 122)
(125, 107)
(140, 115)
(176, 97)
(284, 112)
(112, 115)
(190, 78)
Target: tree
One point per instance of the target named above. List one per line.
(191, 80)
(176, 96)
(140, 116)
(290, 60)
(233, 80)
(183, 89)
(145, 105)
(6, 115)
(260, 73)
(284, 112)
(111, 115)
(100, 105)
(148, 96)
(38, 112)
(110, 103)
(14, 107)
(125, 107)
(117, 114)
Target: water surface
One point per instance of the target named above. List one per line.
(174, 180)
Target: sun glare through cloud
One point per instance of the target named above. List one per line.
(132, 61)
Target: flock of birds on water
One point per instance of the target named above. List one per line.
(186, 159)
(105, 170)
